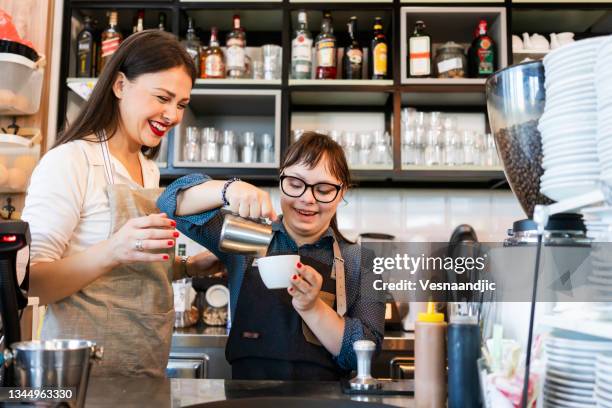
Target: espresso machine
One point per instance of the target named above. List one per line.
(14, 235)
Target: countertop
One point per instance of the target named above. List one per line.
(154, 393)
(203, 337)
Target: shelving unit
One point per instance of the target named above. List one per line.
(272, 22)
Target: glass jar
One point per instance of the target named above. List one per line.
(451, 61)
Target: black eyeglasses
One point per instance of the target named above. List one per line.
(322, 192)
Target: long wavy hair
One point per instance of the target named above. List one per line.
(142, 53)
(309, 150)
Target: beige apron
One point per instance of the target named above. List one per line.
(129, 310)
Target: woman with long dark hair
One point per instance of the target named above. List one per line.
(102, 253)
(306, 332)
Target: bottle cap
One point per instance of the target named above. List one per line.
(431, 316)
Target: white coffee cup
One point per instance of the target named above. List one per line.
(517, 43)
(539, 42)
(565, 38)
(276, 271)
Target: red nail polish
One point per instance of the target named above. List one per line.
(170, 243)
(294, 277)
(176, 234)
(173, 223)
(299, 265)
(166, 257)
(290, 289)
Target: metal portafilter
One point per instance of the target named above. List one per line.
(364, 349)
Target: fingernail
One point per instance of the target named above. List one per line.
(294, 277)
(173, 223)
(170, 243)
(290, 289)
(176, 234)
(166, 257)
(299, 265)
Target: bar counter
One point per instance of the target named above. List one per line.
(157, 393)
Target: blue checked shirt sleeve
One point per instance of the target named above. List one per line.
(365, 319)
(204, 228)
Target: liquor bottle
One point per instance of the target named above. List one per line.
(379, 51)
(213, 60)
(301, 49)
(236, 50)
(419, 46)
(161, 25)
(192, 44)
(326, 50)
(481, 56)
(86, 51)
(110, 39)
(352, 61)
(139, 26)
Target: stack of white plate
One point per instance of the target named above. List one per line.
(603, 381)
(570, 369)
(569, 123)
(603, 78)
(598, 221)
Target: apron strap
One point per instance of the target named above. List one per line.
(338, 274)
(108, 167)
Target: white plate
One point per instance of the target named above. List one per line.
(566, 160)
(567, 389)
(588, 361)
(551, 150)
(585, 386)
(572, 376)
(577, 118)
(581, 354)
(577, 369)
(573, 51)
(585, 106)
(580, 342)
(565, 404)
(586, 168)
(566, 396)
(600, 280)
(562, 192)
(604, 394)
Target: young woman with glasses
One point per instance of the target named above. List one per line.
(307, 331)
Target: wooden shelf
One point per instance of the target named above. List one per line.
(450, 82)
(444, 92)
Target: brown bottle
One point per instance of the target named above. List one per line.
(482, 53)
(111, 39)
(430, 359)
(212, 61)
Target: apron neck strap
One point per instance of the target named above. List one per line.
(108, 167)
(338, 275)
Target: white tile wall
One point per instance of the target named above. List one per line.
(421, 215)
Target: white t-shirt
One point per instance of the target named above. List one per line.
(66, 203)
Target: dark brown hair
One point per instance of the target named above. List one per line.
(142, 53)
(309, 150)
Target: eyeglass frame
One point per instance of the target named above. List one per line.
(338, 187)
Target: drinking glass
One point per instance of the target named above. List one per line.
(191, 149)
(210, 148)
(272, 61)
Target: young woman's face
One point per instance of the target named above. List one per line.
(304, 216)
(152, 104)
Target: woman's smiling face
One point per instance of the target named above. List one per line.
(152, 104)
(305, 218)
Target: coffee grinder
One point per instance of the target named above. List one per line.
(14, 235)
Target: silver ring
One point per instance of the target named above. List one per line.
(138, 245)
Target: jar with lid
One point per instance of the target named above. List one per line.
(451, 61)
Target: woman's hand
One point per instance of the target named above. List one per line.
(138, 236)
(249, 201)
(305, 287)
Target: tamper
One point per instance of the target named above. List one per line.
(364, 380)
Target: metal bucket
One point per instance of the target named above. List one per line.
(55, 364)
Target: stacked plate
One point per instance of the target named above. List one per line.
(571, 369)
(603, 381)
(569, 123)
(603, 78)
